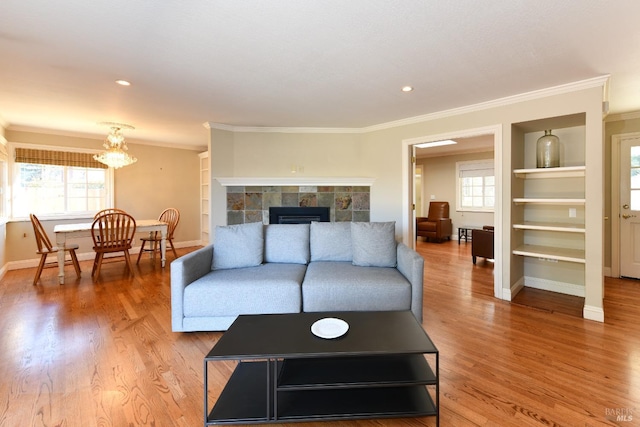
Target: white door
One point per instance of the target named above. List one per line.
(417, 179)
(414, 196)
(630, 207)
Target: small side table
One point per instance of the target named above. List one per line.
(464, 232)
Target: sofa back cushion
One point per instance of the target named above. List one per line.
(374, 244)
(238, 246)
(331, 241)
(286, 243)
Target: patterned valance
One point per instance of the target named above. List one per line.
(61, 158)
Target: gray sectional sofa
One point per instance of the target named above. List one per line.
(288, 268)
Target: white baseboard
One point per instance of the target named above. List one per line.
(554, 286)
(84, 256)
(509, 294)
(593, 313)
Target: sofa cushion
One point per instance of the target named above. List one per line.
(286, 243)
(374, 244)
(266, 289)
(331, 241)
(342, 286)
(238, 246)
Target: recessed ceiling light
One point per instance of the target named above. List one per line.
(123, 83)
(436, 143)
(407, 88)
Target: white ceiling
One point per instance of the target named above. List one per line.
(294, 63)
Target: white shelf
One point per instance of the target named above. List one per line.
(551, 226)
(553, 201)
(548, 252)
(562, 172)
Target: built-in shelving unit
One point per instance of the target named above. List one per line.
(548, 237)
(204, 197)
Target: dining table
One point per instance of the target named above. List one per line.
(76, 230)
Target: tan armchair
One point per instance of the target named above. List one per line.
(482, 243)
(437, 225)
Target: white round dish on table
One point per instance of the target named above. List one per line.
(329, 328)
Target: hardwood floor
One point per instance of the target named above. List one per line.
(103, 354)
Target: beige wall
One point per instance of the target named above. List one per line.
(439, 179)
(378, 154)
(324, 154)
(161, 178)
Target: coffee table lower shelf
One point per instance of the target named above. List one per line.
(249, 394)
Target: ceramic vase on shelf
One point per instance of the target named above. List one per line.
(548, 151)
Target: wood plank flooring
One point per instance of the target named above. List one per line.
(103, 354)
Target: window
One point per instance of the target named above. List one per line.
(58, 183)
(635, 179)
(476, 186)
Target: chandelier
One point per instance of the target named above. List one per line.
(116, 155)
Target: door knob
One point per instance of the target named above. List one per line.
(627, 216)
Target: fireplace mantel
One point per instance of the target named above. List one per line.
(297, 180)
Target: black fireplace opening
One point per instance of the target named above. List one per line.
(298, 215)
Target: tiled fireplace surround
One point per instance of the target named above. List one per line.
(251, 203)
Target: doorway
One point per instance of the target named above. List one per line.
(494, 134)
(625, 205)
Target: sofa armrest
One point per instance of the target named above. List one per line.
(411, 265)
(420, 219)
(185, 270)
(445, 227)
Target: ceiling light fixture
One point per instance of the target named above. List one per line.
(123, 83)
(436, 143)
(407, 88)
(116, 155)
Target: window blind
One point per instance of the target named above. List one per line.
(60, 158)
(467, 170)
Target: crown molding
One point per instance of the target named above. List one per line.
(265, 129)
(631, 115)
(299, 181)
(101, 137)
(600, 81)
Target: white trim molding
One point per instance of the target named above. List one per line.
(300, 181)
(554, 286)
(599, 81)
(593, 313)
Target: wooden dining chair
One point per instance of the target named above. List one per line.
(171, 216)
(107, 210)
(112, 232)
(45, 248)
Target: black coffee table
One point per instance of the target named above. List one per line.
(378, 369)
